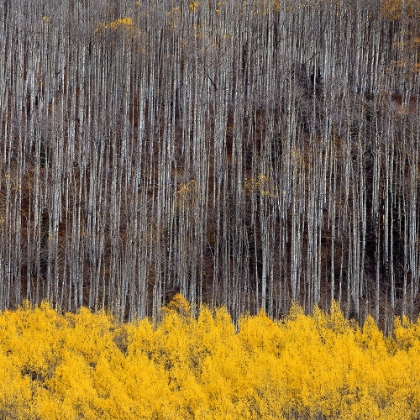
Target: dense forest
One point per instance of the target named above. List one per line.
(245, 154)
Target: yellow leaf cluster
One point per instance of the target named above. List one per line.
(188, 192)
(86, 365)
(194, 5)
(188, 187)
(125, 22)
(261, 184)
(397, 9)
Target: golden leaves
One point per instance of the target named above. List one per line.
(320, 366)
(187, 188)
(262, 185)
(178, 305)
(397, 9)
(194, 5)
(125, 22)
(188, 193)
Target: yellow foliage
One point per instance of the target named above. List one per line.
(188, 194)
(178, 304)
(84, 365)
(194, 5)
(262, 185)
(188, 188)
(393, 9)
(125, 22)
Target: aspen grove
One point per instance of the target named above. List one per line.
(249, 154)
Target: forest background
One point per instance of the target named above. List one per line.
(245, 154)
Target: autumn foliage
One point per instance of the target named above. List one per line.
(184, 367)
